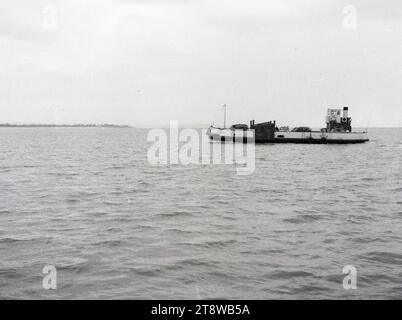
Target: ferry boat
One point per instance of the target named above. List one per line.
(338, 130)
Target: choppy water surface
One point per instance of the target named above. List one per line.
(87, 201)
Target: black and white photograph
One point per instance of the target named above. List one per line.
(200, 150)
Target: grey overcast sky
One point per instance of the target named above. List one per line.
(145, 62)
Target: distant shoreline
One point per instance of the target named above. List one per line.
(106, 125)
(6, 125)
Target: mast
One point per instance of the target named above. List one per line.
(224, 116)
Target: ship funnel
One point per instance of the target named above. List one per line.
(345, 112)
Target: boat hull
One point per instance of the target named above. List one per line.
(314, 137)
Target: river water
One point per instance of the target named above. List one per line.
(88, 202)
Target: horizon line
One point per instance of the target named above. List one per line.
(139, 126)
